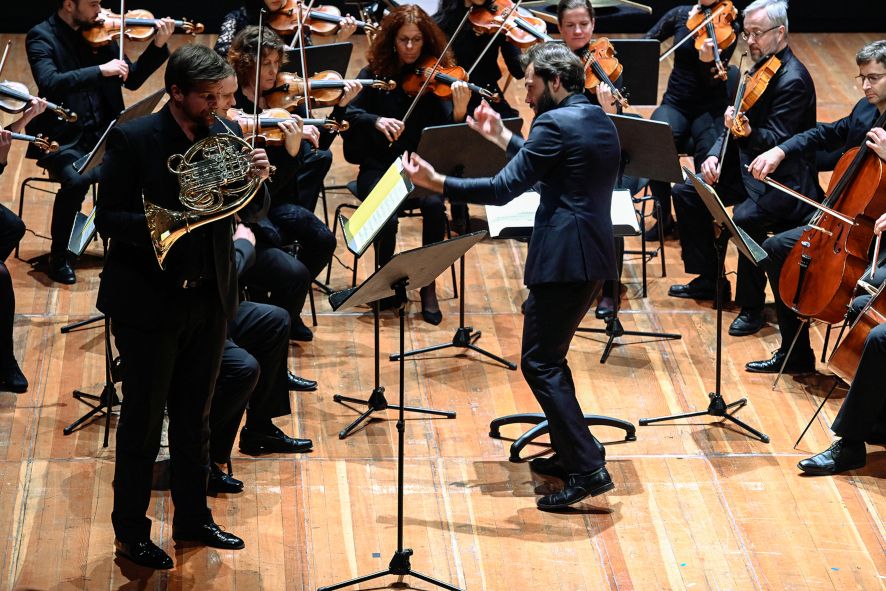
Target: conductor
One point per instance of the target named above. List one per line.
(573, 155)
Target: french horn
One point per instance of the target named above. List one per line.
(215, 182)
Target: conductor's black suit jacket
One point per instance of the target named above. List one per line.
(67, 72)
(133, 288)
(786, 108)
(572, 157)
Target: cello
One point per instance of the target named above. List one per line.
(820, 273)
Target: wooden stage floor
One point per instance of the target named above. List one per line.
(697, 504)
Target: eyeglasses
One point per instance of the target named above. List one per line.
(871, 78)
(746, 35)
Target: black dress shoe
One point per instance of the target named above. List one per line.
(799, 363)
(839, 457)
(144, 553)
(550, 466)
(271, 440)
(60, 271)
(12, 379)
(605, 309)
(578, 487)
(208, 534)
(299, 384)
(749, 321)
(434, 318)
(700, 288)
(300, 332)
(222, 482)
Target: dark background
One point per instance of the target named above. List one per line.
(805, 15)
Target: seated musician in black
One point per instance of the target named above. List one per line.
(785, 108)
(287, 220)
(693, 102)
(11, 231)
(851, 131)
(68, 71)
(378, 134)
(862, 416)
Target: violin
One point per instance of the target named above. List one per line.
(520, 29)
(15, 98)
(325, 88)
(39, 141)
(269, 131)
(441, 84)
(820, 273)
(750, 89)
(719, 29)
(138, 25)
(600, 63)
(322, 20)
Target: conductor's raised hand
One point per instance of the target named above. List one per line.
(487, 122)
(421, 172)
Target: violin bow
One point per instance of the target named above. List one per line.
(433, 72)
(256, 94)
(304, 63)
(495, 35)
(122, 26)
(5, 53)
(692, 33)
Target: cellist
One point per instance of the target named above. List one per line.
(848, 132)
(785, 108)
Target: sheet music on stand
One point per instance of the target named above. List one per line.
(375, 211)
(516, 218)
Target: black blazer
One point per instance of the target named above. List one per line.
(573, 154)
(133, 287)
(839, 136)
(786, 108)
(61, 78)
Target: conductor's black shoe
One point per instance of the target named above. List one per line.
(605, 309)
(271, 440)
(60, 271)
(800, 362)
(144, 553)
(749, 321)
(700, 288)
(578, 487)
(839, 457)
(208, 534)
(222, 482)
(11, 377)
(299, 384)
(300, 332)
(550, 466)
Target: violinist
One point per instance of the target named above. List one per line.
(87, 80)
(575, 19)
(468, 47)
(236, 20)
(784, 108)
(862, 416)
(11, 231)
(378, 133)
(288, 221)
(694, 101)
(849, 132)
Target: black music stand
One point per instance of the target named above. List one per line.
(639, 57)
(724, 231)
(647, 151)
(475, 157)
(319, 58)
(407, 270)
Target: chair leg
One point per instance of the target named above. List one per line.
(313, 307)
(661, 248)
(325, 210)
(452, 266)
(21, 207)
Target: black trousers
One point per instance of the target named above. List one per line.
(279, 279)
(69, 198)
(173, 366)
(298, 224)
(697, 236)
(433, 213)
(694, 134)
(552, 314)
(311, 175)
(865, 406)
(11, 231)
(253, 372)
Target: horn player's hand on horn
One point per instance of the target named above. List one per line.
(261, 166)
